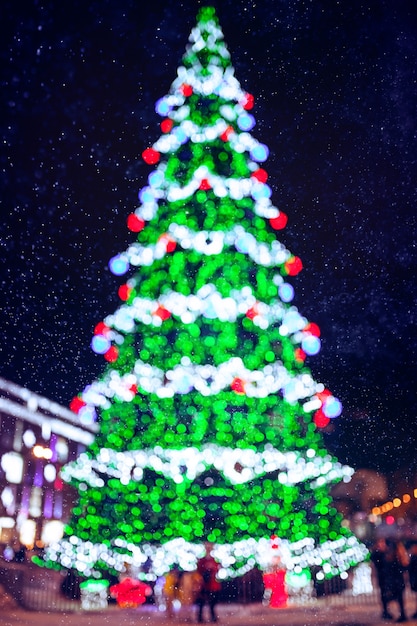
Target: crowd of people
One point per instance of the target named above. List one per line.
(392, 563)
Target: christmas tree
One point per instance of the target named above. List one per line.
(209, 416)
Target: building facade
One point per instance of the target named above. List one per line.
(37, 437)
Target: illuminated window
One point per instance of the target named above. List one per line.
(8, 498)
(52, 531)
(12, 464)
(62, 450)
(28, 533)
(35, 502)
(7, 525)
(29, 438)
(49, 472)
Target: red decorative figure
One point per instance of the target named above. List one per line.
(130, 593)
(274, 581)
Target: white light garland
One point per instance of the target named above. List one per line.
(208, 303)
(239, 466)
(172, 191)
(208, 243)
(206, 379)
(236, 559)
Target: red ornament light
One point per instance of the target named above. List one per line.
(312, 329)
(252, 312)
(150, 156)
(260, 174)
(248, 101)
(101, 329)
(279, 222)
(135, 223)
(186, 90)
(238, 386)
(293, 266)
(169, 242)
(112, 354)
(300, 355)
(205, 184)
(124, 292)
(320, 419)
(166, 125)
(133, 389)
(76, 404)
(163, 313)
(323, 395)
(226, 133)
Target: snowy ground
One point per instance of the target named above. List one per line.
(322, 613)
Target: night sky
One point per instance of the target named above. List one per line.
(336, 102)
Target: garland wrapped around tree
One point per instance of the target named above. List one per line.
(209, 416)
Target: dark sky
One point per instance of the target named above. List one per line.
(335, 100)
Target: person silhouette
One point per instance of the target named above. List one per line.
(391, 561)
(208, 569)
(412, 571)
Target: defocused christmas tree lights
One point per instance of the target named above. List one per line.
(210, 419)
